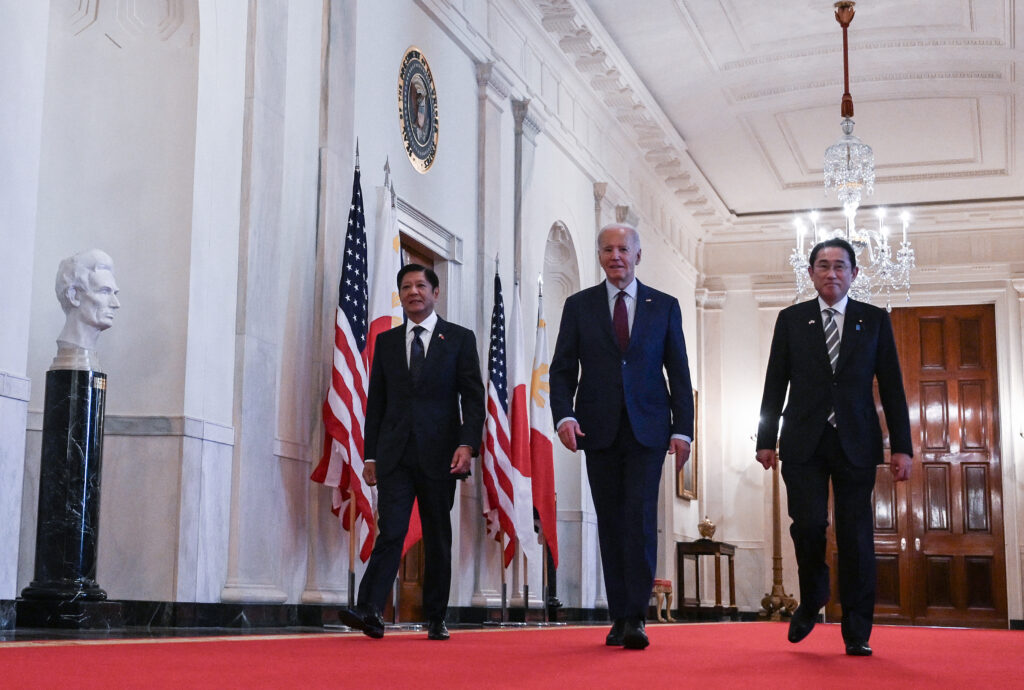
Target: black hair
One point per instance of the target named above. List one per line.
(417, 268)
(835, 242)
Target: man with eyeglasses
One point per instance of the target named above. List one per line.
(827, 353)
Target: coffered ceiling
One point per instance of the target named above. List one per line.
(751, 92)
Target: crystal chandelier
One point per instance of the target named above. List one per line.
(883, 269)
(850, 171)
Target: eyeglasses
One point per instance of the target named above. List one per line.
(838, 267)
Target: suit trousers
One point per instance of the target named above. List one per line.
(396, 492)
(807, 496)
(624, 482)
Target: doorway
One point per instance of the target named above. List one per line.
(410, 570)
(939, 537)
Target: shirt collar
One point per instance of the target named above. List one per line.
(613, 291)
(428, 324)
(839, 306)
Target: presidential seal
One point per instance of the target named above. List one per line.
(417, 109)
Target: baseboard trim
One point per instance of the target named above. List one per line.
(172, 614)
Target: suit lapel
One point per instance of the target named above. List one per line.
(641, 315)
(599, 305)
(852, 321)
(401, 357)
(816, 334)
(437, 343)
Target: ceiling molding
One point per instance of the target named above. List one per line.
(579, 34)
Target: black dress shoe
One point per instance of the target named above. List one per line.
(802, 623)
(633, 635)
(437, 630)
(858, 649)
(365, 619)
(614, 638)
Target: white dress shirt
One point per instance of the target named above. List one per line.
(428, 325)
(839, 317)
(613, 296)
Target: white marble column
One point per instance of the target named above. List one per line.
(494, 88)
(206, 428)
(328, 562)
(24, 28)
(255, 572)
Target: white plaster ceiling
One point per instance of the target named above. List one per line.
(753, 89)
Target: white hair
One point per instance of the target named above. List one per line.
(634, 234)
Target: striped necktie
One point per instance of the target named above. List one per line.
(832, 343)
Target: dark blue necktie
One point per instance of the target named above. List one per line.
(416, 354)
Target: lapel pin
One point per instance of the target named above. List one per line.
(440, 336)
(647, 300)
(810, 322)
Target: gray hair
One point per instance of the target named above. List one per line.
(634, 235)
(74, 272)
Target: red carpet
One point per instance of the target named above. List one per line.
(707, 656)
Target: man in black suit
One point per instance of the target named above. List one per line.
(617, 343)
(827, 352)
(424, 421)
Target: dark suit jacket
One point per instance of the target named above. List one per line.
(799, 362)
(449, 384)
(590, 378)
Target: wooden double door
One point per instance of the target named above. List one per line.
(939, 537)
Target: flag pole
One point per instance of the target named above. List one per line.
(501, 563)
(526, 586)
(352, 550)
(544, 575)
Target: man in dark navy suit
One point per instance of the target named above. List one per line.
(617, 344)
(424, 421)
(827, 353)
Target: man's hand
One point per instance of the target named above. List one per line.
(681, 449)
(767, 458)
(370, 473)
(899, 465)
(461, 459)
(568, 432)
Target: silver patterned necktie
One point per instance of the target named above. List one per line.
(832, 343)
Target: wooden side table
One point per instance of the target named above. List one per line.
(694, 550)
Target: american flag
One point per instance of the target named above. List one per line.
(497, 466)
(344, 410)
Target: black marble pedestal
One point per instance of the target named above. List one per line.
(67, 527)
(74, 614)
